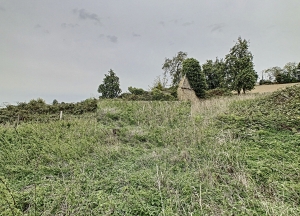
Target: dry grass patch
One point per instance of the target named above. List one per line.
(271, 88)
(211, 108)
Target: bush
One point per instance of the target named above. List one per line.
(161, 96)
(265, 82)
(136, 91)
(154, 95)
(40, 111)
(218, 92)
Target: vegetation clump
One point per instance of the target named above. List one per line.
(38, 110)
(278, 111)
(191, 67)
(150, 158)
(157, 93)
(110, 88)
(290, 73)
(218, 92)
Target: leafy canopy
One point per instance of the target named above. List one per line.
(288, 74)
(110, 88)
(191, 67)
(214, 73)
(173, 67)
(240, 68)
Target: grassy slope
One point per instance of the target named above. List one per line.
(160, 161)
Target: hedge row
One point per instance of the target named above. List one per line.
(36, 109)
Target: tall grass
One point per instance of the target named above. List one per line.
(132, 158)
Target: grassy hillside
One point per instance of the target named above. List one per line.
(154, 158)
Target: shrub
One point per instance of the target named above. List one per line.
(218, 92)
(161, 96)
(265, 82)
(136, 91)
(39, 110)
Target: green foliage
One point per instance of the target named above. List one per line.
(214, 73)
(218, 92)
(272, 73)
(277, 111)
(173, 67)
(111, 85)
(240, 67)
(154, 95)
(195, 75)
(38, 110)
(55, 102)
(268, 128)
(162, 96)
(172, 90)
(287, 74)
(158, 93)
(265, 82)
(159, 83)
(153, 158)
(136, 91)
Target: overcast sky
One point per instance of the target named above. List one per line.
(61, 49)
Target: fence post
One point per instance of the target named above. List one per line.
(60, 115)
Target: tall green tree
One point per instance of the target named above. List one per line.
(240, 73)
(192, 69)
(110, 88)
(173, 67)
(214, 73)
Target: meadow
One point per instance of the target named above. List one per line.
(235, 155)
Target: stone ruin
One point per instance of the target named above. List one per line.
(185, 92)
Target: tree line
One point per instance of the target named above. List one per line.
(290, 73)
(234, 72)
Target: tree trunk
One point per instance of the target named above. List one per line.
(239, 92)
(244, 91)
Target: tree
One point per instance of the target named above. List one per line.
(173, 67)
(272, 73)
(240, 74)
(287, 74)
(214, 73)
(290, 71)
(195, 75)
(111, 85)
(55, 102)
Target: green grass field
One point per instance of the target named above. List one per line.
(233, 156)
